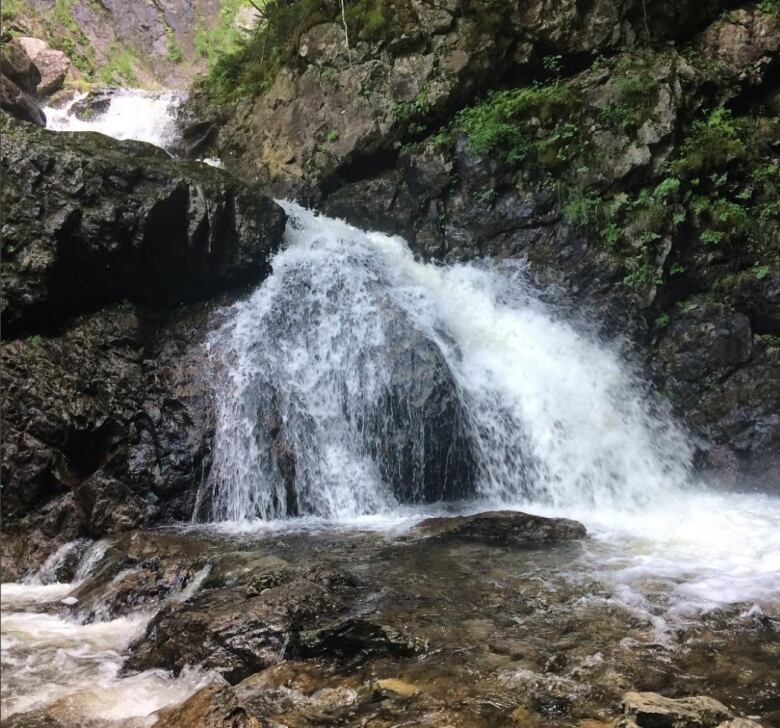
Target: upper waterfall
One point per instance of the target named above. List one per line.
(321, 407)
(146, 116)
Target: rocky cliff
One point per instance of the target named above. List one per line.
(108, 247)
(159, 43)
(628, 151)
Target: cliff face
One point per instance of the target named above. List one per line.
(148, 44)
(629, 152)
(108, 247)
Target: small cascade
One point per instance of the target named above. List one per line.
(147, 116)
(358, 378)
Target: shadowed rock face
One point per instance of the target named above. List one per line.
(107, 421)
(19, 79)
(91, 221)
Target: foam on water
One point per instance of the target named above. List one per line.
(147, 116)
(72, 668)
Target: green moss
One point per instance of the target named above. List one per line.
(635, 96)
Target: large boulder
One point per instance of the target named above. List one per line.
(53, 65)
(237, 631)
(89, 221)
(19, 78)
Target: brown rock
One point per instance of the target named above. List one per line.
(650, 710)
(215, 706)
(53, 66)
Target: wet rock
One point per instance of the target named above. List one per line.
(215, 706)
(237, 632)
(398, 687)
(20, 104)
(89, 221)
(503, 528)
(421, 437)
(650, 710)
(106, 426)
(352, 641)
(94, 104)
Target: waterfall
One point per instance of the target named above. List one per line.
(358, 378)
(146, 116)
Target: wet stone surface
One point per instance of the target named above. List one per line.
(366, 629)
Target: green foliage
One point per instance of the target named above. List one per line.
(760, 272)
(410, 110)
(635, 97)
(222, 37)
(333, 136)
(553, 64)
(34, 340)
(120, 68)
(10, 10)
(528, 124)
(662, 321)
(247, 64)
(713, 142)
(487, 195)
(174, 52)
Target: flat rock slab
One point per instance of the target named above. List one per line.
(650, 710)
(502, 528)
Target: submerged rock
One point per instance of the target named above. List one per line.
(503, 528)
(650, 710)
(89, 221)
(352, 641)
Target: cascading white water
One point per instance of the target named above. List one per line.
(553, 415)
(146, 116)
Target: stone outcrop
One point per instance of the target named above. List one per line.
(107, 420)
(90, 221)
(333, 108)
